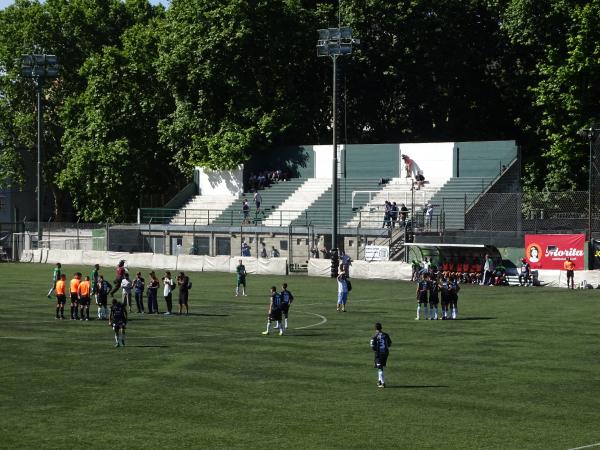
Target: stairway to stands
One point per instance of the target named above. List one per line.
(272, 197)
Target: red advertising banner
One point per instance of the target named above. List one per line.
(550, 251)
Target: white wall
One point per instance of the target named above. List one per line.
(324, 160)
(221, 182)
(436, 160)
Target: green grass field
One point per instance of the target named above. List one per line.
(520, 371)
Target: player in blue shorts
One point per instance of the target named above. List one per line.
(422, 289)
(118, 321)
(274, 310)
(380, 344)
(286, 300)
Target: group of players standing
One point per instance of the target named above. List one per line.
(429, 290)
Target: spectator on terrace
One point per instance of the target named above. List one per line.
(314, 253)
(410, 166)
(274, 252)
(428, 216)
(245, 249)
(257, 201)
(326, 253)
(419, 180)
(394, 214)
(263, 250)
(246, 211)
(403, 214)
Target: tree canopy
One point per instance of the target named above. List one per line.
(145, 93)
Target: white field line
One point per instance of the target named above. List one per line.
(323, 320)
(597, 444)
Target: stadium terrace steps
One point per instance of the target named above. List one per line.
(202, 209)
(272, 197)
(298, 202)
(455, 197)
(398, 190)
(319, 213)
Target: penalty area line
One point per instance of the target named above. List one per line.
(323, 320)
(597, 444)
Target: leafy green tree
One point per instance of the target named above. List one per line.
(111, 139)
(242, 76)
(74, 31)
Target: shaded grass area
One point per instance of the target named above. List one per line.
(520, 371)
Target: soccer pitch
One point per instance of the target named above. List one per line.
(520, 370)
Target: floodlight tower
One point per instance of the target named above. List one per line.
(592, 134)
(334, 42)
(40, 68)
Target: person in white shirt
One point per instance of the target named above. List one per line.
(126, 285)
(169, 285)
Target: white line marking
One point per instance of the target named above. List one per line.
(597, 444)
(323, 320)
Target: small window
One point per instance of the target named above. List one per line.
(283, 245)
(298, 241)
(251, 240)
(350, 243)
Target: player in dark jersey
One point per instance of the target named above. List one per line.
(118, 321)
(380, 344)
(422, 289)
(286, 300)
(104, 288)
(445, 291)
(56, 273)
(274, 310)
(94, 274)
(454, 288)
(434, 298)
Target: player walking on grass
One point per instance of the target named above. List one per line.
(104, 288)
(118, 321)
(422, 289)
(74, 291)
(342, 289)
(274, 314)
(240, 271)
(286, 301)
(61, 298)
(119, 276)
(56, 274)
(380, 344)
(84, 298)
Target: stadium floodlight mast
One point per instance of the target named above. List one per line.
(334, 42)
(591, 133)
(40, 67)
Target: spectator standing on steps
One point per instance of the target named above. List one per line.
(257, 201)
